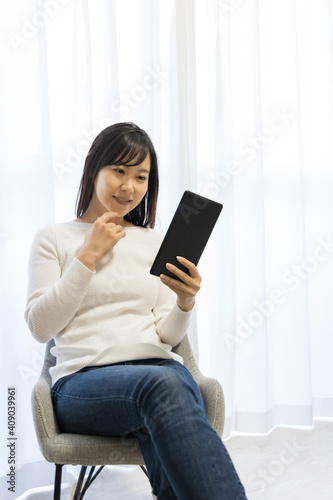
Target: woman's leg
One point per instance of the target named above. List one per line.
(160, 403)
(158, 479)
(98, 401)
(192, 454)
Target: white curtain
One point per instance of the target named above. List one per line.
(237, 98)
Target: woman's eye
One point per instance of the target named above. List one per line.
(121, 171)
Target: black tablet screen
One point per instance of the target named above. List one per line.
(188, 232)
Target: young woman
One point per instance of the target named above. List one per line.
(115, 324)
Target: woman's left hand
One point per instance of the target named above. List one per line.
(188, 287)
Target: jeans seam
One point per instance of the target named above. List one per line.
(94, 399)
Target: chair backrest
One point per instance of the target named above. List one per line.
(183, 349)
(49, 361)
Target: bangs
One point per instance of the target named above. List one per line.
(133, 157)
(130, 151)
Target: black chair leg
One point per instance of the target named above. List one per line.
(80, 489)
(77, 494)
(57, 482)
(144, 470)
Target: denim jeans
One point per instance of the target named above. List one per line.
(157, 401)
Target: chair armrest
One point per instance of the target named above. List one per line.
(213, 397)
(43, 413)
(210, 388)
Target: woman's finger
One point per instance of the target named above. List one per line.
(178, 272)
(107, 216)
(190, 266)
(181, 289)
(175, 285)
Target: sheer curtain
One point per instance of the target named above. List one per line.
(267, 101)
(237, 97)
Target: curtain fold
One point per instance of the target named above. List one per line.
(237, 98)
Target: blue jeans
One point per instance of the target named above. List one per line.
(157, 401)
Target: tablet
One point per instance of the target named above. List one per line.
(188, 233)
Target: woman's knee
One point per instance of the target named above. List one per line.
(169, 387)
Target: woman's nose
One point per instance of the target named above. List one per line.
(127, 185)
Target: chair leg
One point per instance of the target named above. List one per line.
(57, 482)
(143, 468)
(146, 473)
(78, 489)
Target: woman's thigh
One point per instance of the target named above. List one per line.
(108, 400)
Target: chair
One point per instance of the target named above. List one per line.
(76, 449)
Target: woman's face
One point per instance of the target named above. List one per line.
(120, 188)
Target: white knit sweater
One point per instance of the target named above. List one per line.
(119, 312)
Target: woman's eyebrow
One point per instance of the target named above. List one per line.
(129, 166)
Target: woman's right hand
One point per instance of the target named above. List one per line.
(100, 239)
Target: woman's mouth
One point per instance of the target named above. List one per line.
(122, 201)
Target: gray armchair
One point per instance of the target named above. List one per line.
(77, 449)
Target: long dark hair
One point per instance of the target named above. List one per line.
(120, 144)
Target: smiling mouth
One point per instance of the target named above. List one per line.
(123, 202)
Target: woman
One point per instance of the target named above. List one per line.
(115, 324)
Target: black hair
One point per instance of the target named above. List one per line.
(121, 144)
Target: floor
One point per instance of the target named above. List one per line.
(288, 464)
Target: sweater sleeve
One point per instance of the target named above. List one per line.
(171, 322)
(53, 297)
